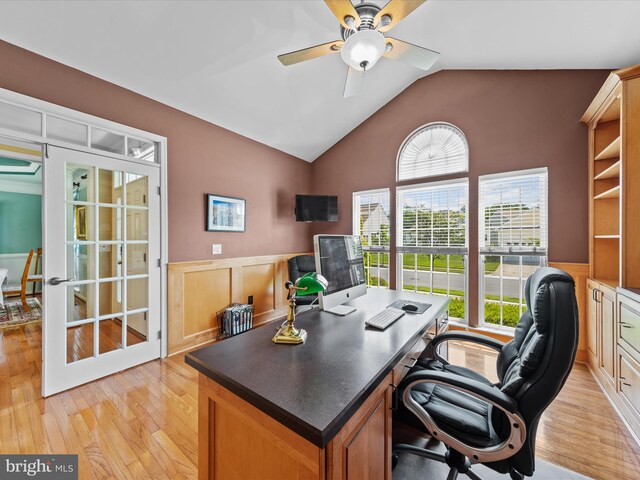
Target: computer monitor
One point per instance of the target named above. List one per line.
(339, 259)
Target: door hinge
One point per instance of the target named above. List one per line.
(159, 263)
(159, 190)
(159, 334)
(46, 150)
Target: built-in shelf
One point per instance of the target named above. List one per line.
(611, 193)
(611, 151)
(612, 112)
(606, 236)
(612, 172)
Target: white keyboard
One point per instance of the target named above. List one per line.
(385, 318)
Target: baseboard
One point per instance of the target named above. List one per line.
(582, 356)
(614, 404)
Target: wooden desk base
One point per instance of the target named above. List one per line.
(239, 442)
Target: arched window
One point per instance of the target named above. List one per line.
(437, 148)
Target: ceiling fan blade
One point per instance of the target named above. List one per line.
(310, 53)
(342, 9)
(396, 10)
(353, 83)
(410, 54)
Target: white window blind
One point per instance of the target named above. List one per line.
(512, 243)
(432, 241)
(513, 213)
(433, 218)
(372, 218)
(372, 222)
(434, 149)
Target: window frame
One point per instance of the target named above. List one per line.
(355, 216)
(425, 127)
(463, 251)
(542, 251)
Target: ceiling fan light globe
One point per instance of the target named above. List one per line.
(364, 47)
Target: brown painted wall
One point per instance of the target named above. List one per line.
(202, 158)
(513, 120)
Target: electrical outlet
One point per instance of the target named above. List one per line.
(216, 249)
(250, 300)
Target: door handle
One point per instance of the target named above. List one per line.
(58, 280)
(411, 364)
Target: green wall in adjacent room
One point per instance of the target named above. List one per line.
(20, 222)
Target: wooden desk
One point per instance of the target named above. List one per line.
(320, 410)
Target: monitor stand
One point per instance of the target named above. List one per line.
(341, 310)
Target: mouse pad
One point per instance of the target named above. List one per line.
(422, 307)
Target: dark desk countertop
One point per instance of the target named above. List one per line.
(315, 387)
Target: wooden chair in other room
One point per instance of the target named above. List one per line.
(36, 277)
(21, 289)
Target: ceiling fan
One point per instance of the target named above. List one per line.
(363, 29)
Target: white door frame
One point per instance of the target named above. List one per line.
(46, 108)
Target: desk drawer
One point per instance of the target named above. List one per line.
(629, 325)
(630, 382)
(409, 360)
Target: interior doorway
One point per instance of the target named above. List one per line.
(102, 289)
(89, 290)
(21, 253)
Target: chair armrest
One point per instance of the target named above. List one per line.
(467, 337)
(467, 385)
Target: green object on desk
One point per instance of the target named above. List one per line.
(308, 284)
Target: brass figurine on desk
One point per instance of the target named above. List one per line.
(308, 284)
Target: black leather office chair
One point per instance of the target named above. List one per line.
(495, 424)
(299, 266)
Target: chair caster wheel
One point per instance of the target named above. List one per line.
(516, 475)
(394, 460)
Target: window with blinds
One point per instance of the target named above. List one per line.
(434, 149)
(432, 241)
(512, 240)
(372, 222)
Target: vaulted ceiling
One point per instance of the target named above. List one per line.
(217, 60)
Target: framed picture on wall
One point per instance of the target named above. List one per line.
(225, 214)
(81, 222)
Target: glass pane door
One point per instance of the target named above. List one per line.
(102, 296)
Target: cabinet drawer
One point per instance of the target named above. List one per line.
(410, 359)
(630, 381)
(629, 324)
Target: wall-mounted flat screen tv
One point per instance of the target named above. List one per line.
(316, 208)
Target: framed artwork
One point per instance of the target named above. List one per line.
(81, 222)
(225, 214)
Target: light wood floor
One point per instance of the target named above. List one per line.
(580, 430)
(142, 423)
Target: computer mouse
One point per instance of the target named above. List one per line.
(410, 307)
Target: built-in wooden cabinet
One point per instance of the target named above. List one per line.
(593, 323)
(613, 310)
(601, 314)
(606, 310)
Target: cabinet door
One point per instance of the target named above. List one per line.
(362, 448)
(592, 323)
(608, 311)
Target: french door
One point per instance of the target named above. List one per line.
(101, 248)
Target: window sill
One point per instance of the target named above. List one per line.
(487, 329)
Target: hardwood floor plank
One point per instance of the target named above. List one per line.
(142, 423)
(580, 430)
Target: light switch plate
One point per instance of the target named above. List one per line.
(216, 249)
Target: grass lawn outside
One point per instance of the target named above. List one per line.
(510, 313)
(456, 264)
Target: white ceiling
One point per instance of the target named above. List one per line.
(217, 60)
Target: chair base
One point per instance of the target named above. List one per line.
(458, 463)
